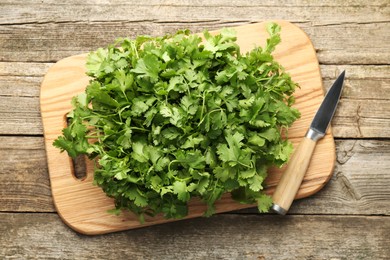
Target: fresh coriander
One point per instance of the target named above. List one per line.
(170, 118)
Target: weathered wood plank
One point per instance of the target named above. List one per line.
(24, 181)
(19, 97)
(57, 30)
(349, 43)
(23, 69)
(43, 236)
(362, 82)
(19, 86)
(20, 115)
(355, 187)
(362, 118)
(363, 111)
(360, 180)
(27, 11)
(215, 3)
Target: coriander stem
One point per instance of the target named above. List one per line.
(208, 114)
(92, 136)
(169, 165)
(203, 104)
(124, 93)
(138, 128)
(247, 166)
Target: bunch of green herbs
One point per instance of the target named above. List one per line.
(171, 118)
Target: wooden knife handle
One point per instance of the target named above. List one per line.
(292, 177)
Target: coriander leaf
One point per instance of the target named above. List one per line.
(148, 66)
(273, 29)
(232, 152)
(65, 145)
(125, 80)
(96, 93)
(180, 188)
(171, 133)
(255, 182)
(191, 142)
(138, 198)
(270, 134)
(138, 108)
(96, 61)
(264, 202)
(256, 140)
(138, 152)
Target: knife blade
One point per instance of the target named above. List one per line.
(292, 177)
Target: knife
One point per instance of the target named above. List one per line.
(292, 177)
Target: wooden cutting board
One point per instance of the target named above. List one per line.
(84, 206)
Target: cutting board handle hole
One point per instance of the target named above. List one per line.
(79, 170)
(79, 165)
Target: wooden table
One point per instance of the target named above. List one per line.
(348, 219)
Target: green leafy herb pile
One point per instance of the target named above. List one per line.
(172, 118)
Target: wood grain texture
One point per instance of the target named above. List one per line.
(84, 206)
(226, 236)
(24, 182)
(14, 12)
(58, 30)
(52, 41)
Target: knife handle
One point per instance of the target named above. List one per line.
(292, 177)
